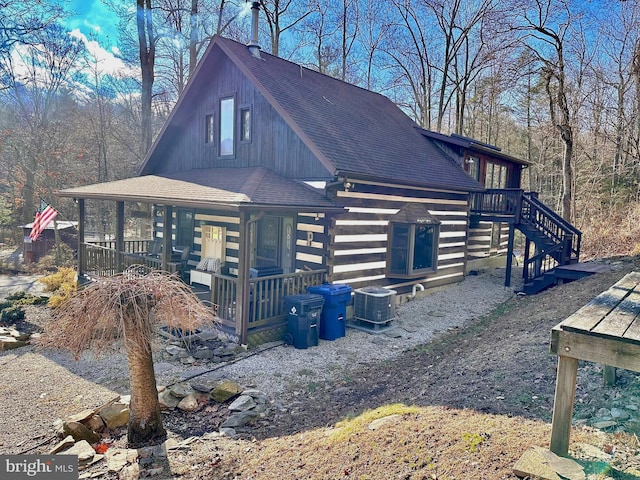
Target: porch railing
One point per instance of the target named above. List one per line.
(266, 296)
(496, 201)
(102, 260)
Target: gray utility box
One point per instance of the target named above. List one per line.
(374, 305)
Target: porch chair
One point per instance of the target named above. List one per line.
(154, 249)
(180, 263)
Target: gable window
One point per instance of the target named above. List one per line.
(227, 123)
(412, 243)
(209, 129)
(245, 124)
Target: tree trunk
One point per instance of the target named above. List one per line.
(145, 421)
(146, 44)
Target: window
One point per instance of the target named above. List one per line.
(227, 120)
(473, 167)
(496, 176)
(412, 243)
(245, 124)
(184, 227)
(209, 129)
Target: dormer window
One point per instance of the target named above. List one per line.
(412, 243)
(227, 127)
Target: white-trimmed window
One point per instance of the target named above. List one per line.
(227, 127)
(412, 243)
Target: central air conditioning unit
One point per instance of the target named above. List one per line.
(374, 306)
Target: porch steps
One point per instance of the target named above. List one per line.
(561, 274)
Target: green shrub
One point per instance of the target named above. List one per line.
(12, 314)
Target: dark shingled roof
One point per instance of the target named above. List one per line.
(207, 187)
(356, 130)
(351, 130)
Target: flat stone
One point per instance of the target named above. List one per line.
(201, 387)
(82, 416)
(257, 395)
(61, 445)
(116, 459)
(592, 452)
(242, 403)
(82, 449)
(130, 472)
(189, 403)
(235, 420)
(176, 351)
(604, 424)
(533, 464)
(9, 343)
(79, 432)
(115, 415)
(181, 390)
(224, 391)
(619, 414)
(565, 467)
(203, 354)
(168, 401)
(94, 423)
(227, 432)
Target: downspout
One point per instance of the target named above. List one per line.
(244, 313)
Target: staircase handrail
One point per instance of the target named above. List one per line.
(533, 198)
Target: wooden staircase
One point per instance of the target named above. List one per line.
(552, 248)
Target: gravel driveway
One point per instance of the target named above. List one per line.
(38, 387)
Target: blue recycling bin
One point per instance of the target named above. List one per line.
(333, 319)
(303, 319)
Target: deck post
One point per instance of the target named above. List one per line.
(82, 257)
(507, 277)
(119, 236)
(563, 404)
(167, 232)
(242, 297)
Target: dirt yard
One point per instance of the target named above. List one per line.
(464, 406)
(470, 404)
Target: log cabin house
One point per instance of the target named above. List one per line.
(271, 177)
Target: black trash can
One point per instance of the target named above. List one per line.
(303, 319)
(333, 321)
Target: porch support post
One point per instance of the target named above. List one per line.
(119, 235)
(82, 260)
(507, 277)
(167, 233)
(242, 289)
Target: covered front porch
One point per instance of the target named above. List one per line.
(240, 253)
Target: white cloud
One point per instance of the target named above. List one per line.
(107, 62)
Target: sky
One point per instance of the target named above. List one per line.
(92, 22)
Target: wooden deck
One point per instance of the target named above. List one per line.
(607, 331)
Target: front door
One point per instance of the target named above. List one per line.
(274, 242)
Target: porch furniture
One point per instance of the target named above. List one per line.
(606, 330)
(180, 261)
(203, 273)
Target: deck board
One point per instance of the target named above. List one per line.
(590, 316)
(621, 318)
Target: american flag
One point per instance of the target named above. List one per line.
(44, 217)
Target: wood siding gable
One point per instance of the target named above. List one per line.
(181, 145)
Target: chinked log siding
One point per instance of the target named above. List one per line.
(358, 253)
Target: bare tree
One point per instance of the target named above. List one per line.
(128, 306)
(281, 16)
(147, 53)
(546, 39)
